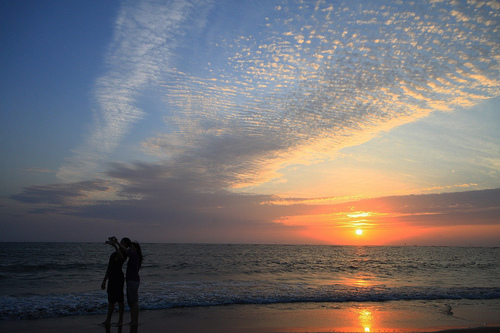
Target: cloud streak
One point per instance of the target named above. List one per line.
(145, 34)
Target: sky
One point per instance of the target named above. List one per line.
(290, 122)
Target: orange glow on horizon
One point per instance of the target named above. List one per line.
(347, 227)
(375, 222)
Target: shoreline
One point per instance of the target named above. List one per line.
(397, 316)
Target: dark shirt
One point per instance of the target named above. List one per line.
(133, 266)
(115, 272)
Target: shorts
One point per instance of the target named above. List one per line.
(132, 292)
(115, 291)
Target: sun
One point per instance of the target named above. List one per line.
(359, 232)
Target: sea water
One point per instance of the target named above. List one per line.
(42, 280)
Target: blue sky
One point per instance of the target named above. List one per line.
(53, 51)
(253, 121)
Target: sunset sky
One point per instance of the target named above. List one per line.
(251, 121)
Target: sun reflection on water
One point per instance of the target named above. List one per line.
(366, 320)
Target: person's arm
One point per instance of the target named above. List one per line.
(103, 285)
(120, 250)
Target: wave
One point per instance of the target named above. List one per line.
(41, 268)
(156, 296)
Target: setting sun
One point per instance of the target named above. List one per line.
(359, 232)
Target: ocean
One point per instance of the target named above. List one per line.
(46, 280)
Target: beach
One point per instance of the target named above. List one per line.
(406, 316)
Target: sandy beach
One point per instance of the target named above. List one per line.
(422, 316)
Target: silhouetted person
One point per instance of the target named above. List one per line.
(114, 275)
(134, 254)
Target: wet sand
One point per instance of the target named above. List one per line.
(421, 316)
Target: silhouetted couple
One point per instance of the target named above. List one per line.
(124, 250)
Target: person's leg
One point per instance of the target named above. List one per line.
(133, 301)
(115, 295)
(121, 301)
(134, 314)
(111, 308)
(121, 309)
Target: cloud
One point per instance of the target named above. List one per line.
(427, 210)
(193, 208)
(314, 81)
(145, 35)
(246, 95)
(281, 86)
(60, 194)
(162, 204)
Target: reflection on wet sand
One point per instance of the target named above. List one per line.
(119, 328)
